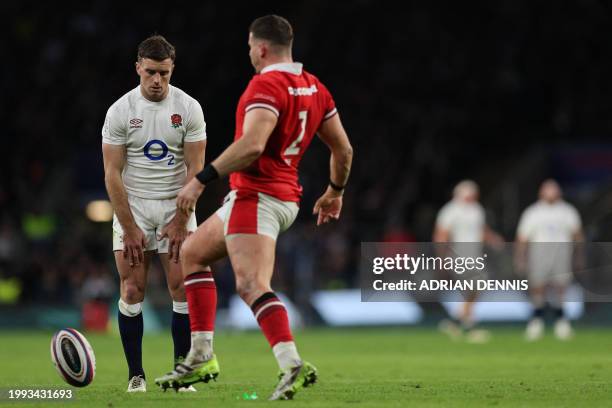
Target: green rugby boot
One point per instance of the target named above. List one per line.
(294, 379)
(187, 373)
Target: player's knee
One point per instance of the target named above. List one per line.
(132, 292)
(189, 252)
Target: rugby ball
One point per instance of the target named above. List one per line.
(73, 357)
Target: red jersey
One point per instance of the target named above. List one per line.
(301, 103)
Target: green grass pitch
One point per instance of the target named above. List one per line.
(357, 367)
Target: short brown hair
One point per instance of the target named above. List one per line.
(156, 48)
(273, 28)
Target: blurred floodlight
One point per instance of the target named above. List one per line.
(99, 211)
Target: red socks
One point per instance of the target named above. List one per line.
(269, 311)
(272, 318)
(201, 293)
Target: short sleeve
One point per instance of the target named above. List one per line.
(445, 218)
(574, 220)
(263, 94)
(196, 126)
(329, 104)
(525, 225)
(114, 131)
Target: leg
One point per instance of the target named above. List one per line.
(538, 300)
(132, 288)
(563, 328)
(252, 226)
(535, 327)
(203, 247)
(463, 323)
(557, 299)
(468, 324)
(180, 313)
(560, 279)
(252, 258)
(466, 315)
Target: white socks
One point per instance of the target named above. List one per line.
(129, 310)
(202, 348)
(180, 307)
(202, 344)
(286, 355)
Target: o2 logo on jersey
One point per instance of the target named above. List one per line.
(156, 145)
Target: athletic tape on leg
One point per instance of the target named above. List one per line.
(180, 307)
(129, 310)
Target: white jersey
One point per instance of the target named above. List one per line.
(465, 222)
(546, 222)
(154, 134)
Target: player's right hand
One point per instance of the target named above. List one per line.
(134, 243)
(188, 196)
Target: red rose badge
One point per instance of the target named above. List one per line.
(176, 120)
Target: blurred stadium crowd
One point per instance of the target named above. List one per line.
(504, 92)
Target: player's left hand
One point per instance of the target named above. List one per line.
(176, 232)
(188, 196)
(328, 206)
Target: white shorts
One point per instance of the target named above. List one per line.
(150, 216)
(550, 263)
(246, 212)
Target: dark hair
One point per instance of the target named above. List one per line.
(273, 28)
(156, 48)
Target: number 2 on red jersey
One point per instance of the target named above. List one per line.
(294, 148)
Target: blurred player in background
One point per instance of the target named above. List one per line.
(544, 250)
(276, 119)
(461, 222)
(153, 141)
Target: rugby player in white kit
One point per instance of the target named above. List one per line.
(545, 237)
(461, 222)
(153, 142)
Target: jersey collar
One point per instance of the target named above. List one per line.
(152, 103)
(294, 68)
